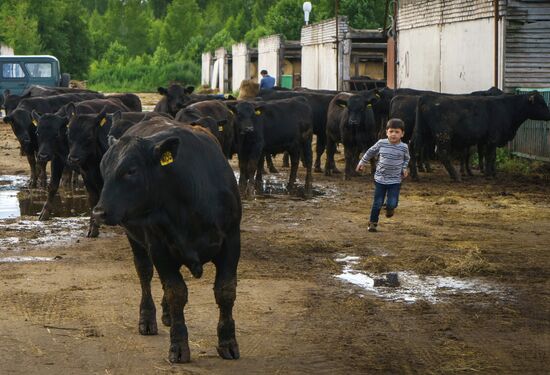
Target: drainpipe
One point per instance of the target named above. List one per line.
(496, 42)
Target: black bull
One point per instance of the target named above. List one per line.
(460, 122)
(175, 194)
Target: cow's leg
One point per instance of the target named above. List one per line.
(490, 161)
(270, 166)
(480, 157)
(93, 183)
(57, 171)
(259, 182)
(286, 160)
(251, 171)
(175, 292)
(412, 161)
(225, 290)
(147, 310)
(468, 162)
(319, 149)
(329, 162)
(294, 162)
(32, 164)
(445, 156)
(349, 155)
(42, 174)
(307, 157)
(243, 175)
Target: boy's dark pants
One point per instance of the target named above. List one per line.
(391, 192)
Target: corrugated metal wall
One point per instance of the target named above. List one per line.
(527, 58)
(533, 137)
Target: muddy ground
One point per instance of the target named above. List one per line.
(77, 314)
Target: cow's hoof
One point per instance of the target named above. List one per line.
(32, 184)
(93, 232)
(229, 349)
(336, 171)
(44, 215)
(179, 353)
(318, 170)
(273, 170)
(347, 177)
(148, 326)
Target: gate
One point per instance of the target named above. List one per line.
(532, 140)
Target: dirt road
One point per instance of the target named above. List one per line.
(473, 259)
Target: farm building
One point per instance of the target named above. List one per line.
(361, 56)
(458, 46)
(245, 63)
(5, 49)
(282, 59)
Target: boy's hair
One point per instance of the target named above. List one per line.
(395, 123)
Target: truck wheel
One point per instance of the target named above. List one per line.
(65, 79)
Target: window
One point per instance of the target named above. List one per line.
(12, 70)
(41, 70)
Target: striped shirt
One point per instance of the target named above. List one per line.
(394, 159)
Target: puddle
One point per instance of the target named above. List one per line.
(275, 184)
(22, 259)
(413, 287)
(17, 201)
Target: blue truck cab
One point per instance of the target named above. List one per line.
(19, 72)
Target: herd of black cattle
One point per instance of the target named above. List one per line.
(165, 178)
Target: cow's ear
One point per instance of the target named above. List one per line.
(101, 118)
(532, 98)
(7, 119)
(232, 108)
(71, 110)
(111, 141)
(116, 116)
(189, 89)
(35, 117)
(165, 151)
(162, 91)
(231, 97)
(342, 103)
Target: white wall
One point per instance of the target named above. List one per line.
(241, 64)
(220, 55)
(453, 58)
(467, 56)
(5, 50)
(418, 54)
(319, 66)
(206, 69)
(268, 56)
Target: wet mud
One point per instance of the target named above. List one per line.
(472, 260)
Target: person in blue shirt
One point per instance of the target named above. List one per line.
(267, 81)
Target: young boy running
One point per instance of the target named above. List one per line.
(391, 168)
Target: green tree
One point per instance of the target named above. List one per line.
(183, 20)
(18, 29)
(159, 7)
(286, 18)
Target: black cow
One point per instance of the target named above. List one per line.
(215, 109)
(120, 121)
(268, 128)
(351, 122)
(131, 101)
(53, 144)
(460, 122)
(173, 98)
(174, 193)
(403, 106)
(22, 125)
(11, 101)
(319, 104)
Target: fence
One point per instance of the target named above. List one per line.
(532, 140)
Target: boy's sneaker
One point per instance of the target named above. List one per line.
(372, 227)
(390, 212)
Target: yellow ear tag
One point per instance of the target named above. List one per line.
(103, 121)
(232, 112)
(220, 128)
(258, 112)
(378, 96)
(34, 122)
(166, 158)
(342, 105)
(369, 105)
